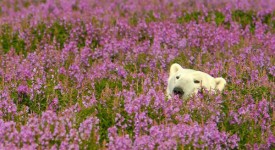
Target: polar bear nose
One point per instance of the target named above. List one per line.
(178, 91)
(177, 77)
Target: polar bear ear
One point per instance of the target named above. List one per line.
(174, 68)
(220, 83)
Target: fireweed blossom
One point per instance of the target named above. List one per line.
(93, 74)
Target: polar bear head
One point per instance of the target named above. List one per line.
(186, 82)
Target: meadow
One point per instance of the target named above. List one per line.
(92, 74)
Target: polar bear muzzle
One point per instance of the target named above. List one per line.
(178, 91)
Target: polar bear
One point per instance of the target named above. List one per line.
(186, 82)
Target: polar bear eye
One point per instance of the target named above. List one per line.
(196, 81)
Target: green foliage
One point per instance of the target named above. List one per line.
(187, 17)
(127, 119)
(150, 17)
(133, 20)
(219, 18)
(38, 105)
(75, 6)
(26, 4)
(90, 143)
(105, 111)
(268, 19)
(180, 59)
(60, 32)
(39, 33)
(82, 39)
(144, 36)
(83, 114)
(106, 116)
(106, 83)
(248, 131)
(271, 78)
(205, 58)
(156, 115)
(10, 39)
(130, 67)
(258, 92)
(244, 18)
(95, 43)
(19, 44)
(142, 58)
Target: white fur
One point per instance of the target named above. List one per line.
(186, 78)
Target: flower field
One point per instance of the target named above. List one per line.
(92, 74)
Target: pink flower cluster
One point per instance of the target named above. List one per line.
(50, 131)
